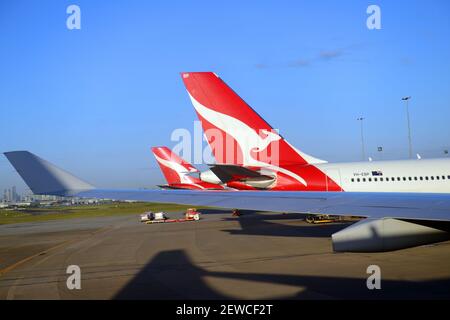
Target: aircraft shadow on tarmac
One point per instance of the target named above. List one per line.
(172, 275)
(259, 224)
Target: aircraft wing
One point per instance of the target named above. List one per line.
(430, 207)
(399, 217)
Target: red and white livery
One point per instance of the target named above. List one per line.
(239, 137)
(178, 172)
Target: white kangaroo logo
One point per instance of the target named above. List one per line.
(271, 136)
(178, 168)
(247, 138)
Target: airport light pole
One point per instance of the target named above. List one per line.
(363, 151)
(406, 99)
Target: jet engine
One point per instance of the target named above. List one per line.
(374, 235)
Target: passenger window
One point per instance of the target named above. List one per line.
(404, 178)
(364, 179)
(392, 179)
(398, 178)
(353, 180)
(375, 179)
(381, 179)
(426, 178)
(409, 178)
(432, 177)
(443, 177)
(437, 177)
(448, 177)
(370, 179)
(415, 178)
(358, 180)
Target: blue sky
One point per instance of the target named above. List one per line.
(95, 100)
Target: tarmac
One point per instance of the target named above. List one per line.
(255, 256)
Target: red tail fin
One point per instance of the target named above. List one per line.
(177, 171)
(232, 126)
(238, 135)
(174, 168)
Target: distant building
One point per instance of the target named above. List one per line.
(15, 197)
(12, 199)
(10, 195)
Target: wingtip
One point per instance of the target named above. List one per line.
(6, 153)
(43, 177)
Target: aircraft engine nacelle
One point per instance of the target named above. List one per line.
(209, 176)
(375, 235)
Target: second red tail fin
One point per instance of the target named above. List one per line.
(178, 171)
(174, 168)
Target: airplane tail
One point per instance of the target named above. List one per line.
(236, 133)
(239, 136)
(178, 171)
(174, 168)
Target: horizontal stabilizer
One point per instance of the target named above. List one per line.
(229, 172)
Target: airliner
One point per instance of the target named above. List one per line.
(240, 138)
(402, 203)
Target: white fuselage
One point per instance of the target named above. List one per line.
(426, 175)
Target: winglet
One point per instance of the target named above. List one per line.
(42, 177)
